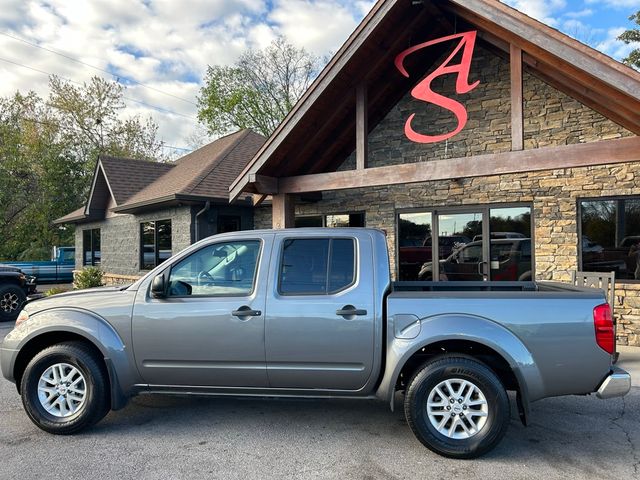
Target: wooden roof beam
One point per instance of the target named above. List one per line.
(549, 158)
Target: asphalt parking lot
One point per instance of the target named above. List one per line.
(162, 437)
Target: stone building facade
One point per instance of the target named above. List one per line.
(551, 118)
(120, 241)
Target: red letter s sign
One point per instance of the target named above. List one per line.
(423, 91)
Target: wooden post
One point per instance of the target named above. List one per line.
(517, 108)
(283, 211)
(362, 128)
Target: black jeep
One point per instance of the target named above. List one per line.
(15, 287)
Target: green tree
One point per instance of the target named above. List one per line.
(632, 36)
(258, 91)
(48, 151)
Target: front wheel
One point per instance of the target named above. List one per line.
(12, 299)
(65, 389)
(457, 407)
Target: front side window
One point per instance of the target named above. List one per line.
(155, 243)
(610, 237)
(316, 266)
(91, 247)
(223, 269)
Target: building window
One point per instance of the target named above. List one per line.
(91, 247)
(610, 236)
(450, 244)
(317, 266)
(155, 243)
(331, 221)
(229, 223)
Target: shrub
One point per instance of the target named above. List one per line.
(55, 291)
(89, 277)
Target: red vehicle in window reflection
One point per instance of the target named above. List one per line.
(510, 261)
(624, 259)
(414, 253)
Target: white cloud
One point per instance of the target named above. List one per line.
(614, 47)
(164, 44)
(587, 12)
(618, 4)
(544, 10)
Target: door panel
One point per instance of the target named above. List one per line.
(308, 344)
(192, 338)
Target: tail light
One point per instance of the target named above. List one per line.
(603, 323)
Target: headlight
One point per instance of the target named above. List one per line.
(23, 317)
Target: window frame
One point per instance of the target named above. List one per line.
(219, 295)
(92, 248)
(156, 250)
(611, 198)
(324, 216)
(485, 208)
(356, 262)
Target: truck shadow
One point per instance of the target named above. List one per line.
(569, 435)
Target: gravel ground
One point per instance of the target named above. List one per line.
(163, 437)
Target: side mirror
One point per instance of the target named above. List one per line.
(158, 287)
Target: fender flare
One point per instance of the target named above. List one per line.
(464, 327)
(93, 329)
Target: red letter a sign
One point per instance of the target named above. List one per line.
(423, 91)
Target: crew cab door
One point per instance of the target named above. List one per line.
(209, 330)
(320, 312)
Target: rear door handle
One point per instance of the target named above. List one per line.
(350, 311)
(245, 311)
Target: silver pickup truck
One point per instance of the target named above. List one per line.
(313, 313)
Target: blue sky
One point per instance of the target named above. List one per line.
(595, 22)
(160, 49)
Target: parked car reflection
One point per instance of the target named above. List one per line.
(413, 252)
(510, 261)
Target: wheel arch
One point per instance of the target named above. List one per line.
(482, 339)
(91, 331)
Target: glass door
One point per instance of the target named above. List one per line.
(461, 250)
(486, 242)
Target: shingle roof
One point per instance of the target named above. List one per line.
(206, 172)
(72, 217)
(126, 176)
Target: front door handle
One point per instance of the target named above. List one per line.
(350, 311)
(245, 312)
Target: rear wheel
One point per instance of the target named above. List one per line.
(12, 299)
(65, 389)
(457, 407)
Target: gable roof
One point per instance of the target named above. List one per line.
(205, 173)
(320, 129)
(116, 179)
(202, 175)
(126, 176)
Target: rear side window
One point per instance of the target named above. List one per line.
(317, 266)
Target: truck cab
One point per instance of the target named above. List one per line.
(57, 270)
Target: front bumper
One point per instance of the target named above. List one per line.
(617, 384)
(7, 362)
(31, 285)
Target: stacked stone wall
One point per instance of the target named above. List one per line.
(551, 119)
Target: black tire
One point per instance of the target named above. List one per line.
(96, 401)
(12, 299)
(463, 368)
